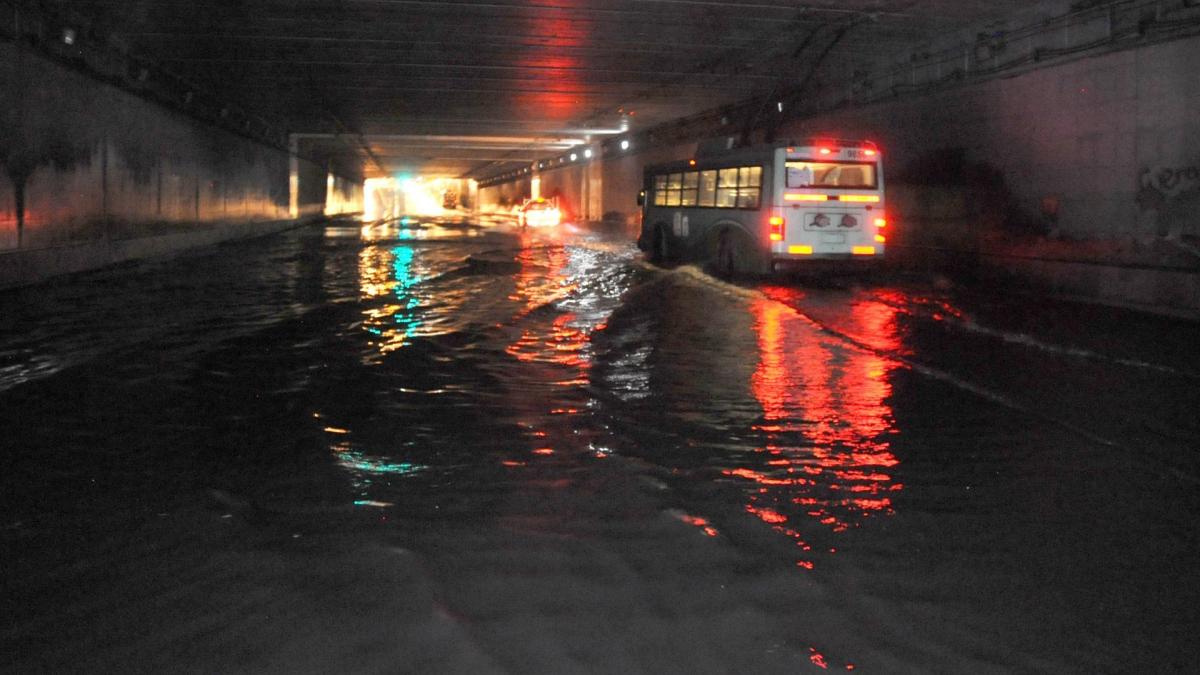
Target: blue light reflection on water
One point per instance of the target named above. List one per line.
(406, 318)
(388, 289)
(392, 310)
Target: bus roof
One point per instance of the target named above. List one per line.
(711, 154)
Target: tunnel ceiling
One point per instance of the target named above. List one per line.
(460, 87)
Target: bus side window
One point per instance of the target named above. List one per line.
(727, 188)
(660, 190)
(674, 184)
(690, 182)
(749, 187)
(708, 188)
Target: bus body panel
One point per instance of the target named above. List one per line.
(795, 204)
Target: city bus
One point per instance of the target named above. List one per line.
(812, 204)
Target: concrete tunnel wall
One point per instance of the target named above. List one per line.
(1100, 158)
(107, 176)
(1113, 140)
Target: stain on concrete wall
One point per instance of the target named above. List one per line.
(8, 214)
(83, 161)
(567, 186)
(344, 196)
(622, 181)
(505, 195)
(1168, 200)
(312, 189)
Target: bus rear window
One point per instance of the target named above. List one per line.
(831, 175)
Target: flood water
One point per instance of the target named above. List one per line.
(450, 447)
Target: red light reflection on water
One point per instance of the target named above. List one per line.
(826, 421)
(701, 523)
(563, 345)
(554, 343)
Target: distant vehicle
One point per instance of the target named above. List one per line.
(760, 209)
(539, 213)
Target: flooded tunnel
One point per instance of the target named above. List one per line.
(649, 336)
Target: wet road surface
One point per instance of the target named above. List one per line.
(437, 446)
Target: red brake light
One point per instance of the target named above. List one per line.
(777, 228)
(869, 152)
(825, 151)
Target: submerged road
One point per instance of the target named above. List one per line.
(440, 446)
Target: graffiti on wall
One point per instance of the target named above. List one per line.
(1168, 198)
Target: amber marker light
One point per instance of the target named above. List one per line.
(776, 228)
(859, 198)
(800, 250)
(881, 239)
(863, 250)
(794, 197)
(691, 162)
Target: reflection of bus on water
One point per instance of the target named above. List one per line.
(764, 208)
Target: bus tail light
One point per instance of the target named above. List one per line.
(881, 239)
(863, 250)
(825, 151)
(795, 197)
(859, 198)
(800, 250)
(881, 223)
(777, 228)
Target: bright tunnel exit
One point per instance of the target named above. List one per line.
(396, 196)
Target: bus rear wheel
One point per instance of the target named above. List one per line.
(727, 254)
